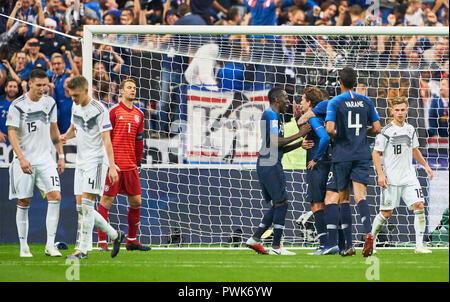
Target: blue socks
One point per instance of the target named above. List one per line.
(346, 223)
(364, 212)
(332, 221)
(279, 217)
(265, 223)
(319, 218)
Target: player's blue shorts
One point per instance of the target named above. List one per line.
(317, 181)
(331, 179)
(273, 182)
(348, 171)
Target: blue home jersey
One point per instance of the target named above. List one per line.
(271, 123)
(263, 11)
(320, 150)
(353, 113)
(321, 109)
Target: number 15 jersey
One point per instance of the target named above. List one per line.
(397, 144)
(33, 122)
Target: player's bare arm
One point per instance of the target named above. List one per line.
(376, 157)
(24, 163)
(283, 141)
(330, 128)
(70, 133)
(112, 172)
(417, 155)
(375, 129)
(305, 117)
(55, 136)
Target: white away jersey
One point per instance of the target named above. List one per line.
(33, 122)
(397, 144)
(90, 121)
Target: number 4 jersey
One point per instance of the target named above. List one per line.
(89, 122)
(33, 122)
(353, 113)
(397, 143)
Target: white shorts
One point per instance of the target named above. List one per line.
(45, 176)
(390, 197)
(90, 180)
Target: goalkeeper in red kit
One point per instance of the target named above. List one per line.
(128, 143)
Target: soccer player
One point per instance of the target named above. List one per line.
(331, 194)
(95, 159)
(270, 171)
(318, 162)
(399, 144)
(349, 116)
(128, 143)
(32, 128)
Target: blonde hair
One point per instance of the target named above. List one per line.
(398, 100)
(125, 81)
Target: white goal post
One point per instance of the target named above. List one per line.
(206, 192)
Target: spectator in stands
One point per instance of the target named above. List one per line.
(432, 20)
(11, 93)
(203, 8)
(414, 13)
(296, 16)
(438, 112)
(172, 69)
(57, 75)
(355, 14)
(78, 61)
(37, 58)
(5, 55)
(110, 18)
(52, 11)
(109, 7)
(343, 18)
(21, 69)
(24, 11)
(51, 42)
(74, 14)
(327, 14)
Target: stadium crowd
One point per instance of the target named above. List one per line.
(58, 50)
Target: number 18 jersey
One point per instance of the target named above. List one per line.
(396, 143)
(353, 113)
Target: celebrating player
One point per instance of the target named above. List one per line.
(399, 144)
(95, 159)
(270, 171)
(127, 141)
(348, 117)
(31, 118)
(318, 162)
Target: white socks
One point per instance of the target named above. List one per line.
(419, 226)
(103, 225)
(87, 224)
(377, 225)
(88, 217)
(51, 221)
(22, 225)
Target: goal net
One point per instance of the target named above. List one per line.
(203, 90)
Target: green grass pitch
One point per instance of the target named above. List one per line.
(225, 265)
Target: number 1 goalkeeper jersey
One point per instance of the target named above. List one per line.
(127, 136)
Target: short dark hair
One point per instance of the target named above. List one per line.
(274, 93)
(313, 95)
(77, 82)
(38, 73)
(348, 77)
